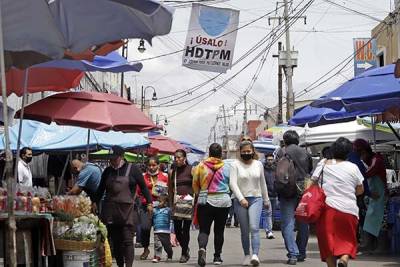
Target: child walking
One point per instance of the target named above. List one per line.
(162, 230)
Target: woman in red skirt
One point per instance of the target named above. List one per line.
(337, 227)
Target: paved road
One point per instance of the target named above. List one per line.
(272, 253)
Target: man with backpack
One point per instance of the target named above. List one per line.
(294, 164)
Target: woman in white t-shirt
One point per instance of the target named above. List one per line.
(249, 188)
(337, 227)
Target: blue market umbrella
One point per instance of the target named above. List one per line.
(113, 62)
(321, 116)
(44, 137)
(191, 148)
(372, 92)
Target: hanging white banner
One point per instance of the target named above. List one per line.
(211, 38)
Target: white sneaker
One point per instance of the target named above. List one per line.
(254, 260)
(270, 235)
(246, 261)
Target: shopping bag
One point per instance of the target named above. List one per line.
(311, 205)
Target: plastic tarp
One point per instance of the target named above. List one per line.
(350, 130)
(44, 137)
(264, 147)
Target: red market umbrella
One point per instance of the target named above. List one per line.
(164, 145)
(42, 79)
(98, 111)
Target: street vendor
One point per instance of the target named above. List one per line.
(89, 176)
(24, 171)
(119, 182)
(376, 176)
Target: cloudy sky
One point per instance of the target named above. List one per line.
(323, 42)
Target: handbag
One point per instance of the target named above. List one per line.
(312, 203)
(183, 204)
(203, 194)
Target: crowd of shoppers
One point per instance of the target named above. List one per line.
(244, 189)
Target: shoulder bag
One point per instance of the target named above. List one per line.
(312, 203)
(183, 204)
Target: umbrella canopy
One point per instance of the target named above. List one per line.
(98, 111)
(46, 29)
(113, 62)
(43, 137)
(372, 92)
(63, 74)
(191, 148)
(321, 116)
(42, 79)
(130, 157)
(164, 144)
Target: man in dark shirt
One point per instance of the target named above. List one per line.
(302, 160)
(119, 182)
(269, 174)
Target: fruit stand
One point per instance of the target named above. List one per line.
(79, 234)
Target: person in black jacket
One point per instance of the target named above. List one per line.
(296, 247)
(119, 182)
(268, 214)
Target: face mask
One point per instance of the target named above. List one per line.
(28, 159)
(246, 157)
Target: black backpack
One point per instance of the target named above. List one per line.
(285, 177)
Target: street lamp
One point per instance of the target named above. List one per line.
(141, 47)
(159, 117)
(144, 95)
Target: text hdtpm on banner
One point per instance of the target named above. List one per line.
(211, 38)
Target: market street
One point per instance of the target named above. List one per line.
(272, 253)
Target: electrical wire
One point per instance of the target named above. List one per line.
(298, 15)
(346, 61)
(254, 48)
(354, 11)
(181, 50)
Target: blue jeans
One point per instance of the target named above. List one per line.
(270, 214)
(296, 247)
(249, 220)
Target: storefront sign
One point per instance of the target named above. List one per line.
(211, 38)
(365, 55)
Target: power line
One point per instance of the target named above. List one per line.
(296, 17)
(181, 50)
(354, 11)
(254, 48)
(347, 61)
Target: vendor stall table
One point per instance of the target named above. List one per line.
(36, 235)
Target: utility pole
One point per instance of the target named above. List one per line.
(225, 139)
(288, 67)
(279, 118)
(288, 59)
(244, 128)
(225, 142)
(125, 55)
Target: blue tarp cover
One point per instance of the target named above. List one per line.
(44, 137)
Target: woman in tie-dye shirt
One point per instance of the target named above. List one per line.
(211, 178)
